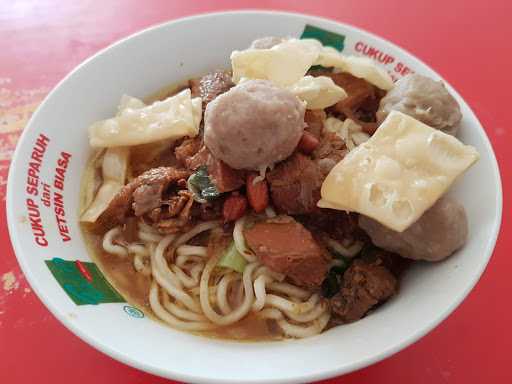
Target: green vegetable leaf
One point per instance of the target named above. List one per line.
(203, 185)
(331, 285)
(232, 259)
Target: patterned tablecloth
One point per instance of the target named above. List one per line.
(468, 42)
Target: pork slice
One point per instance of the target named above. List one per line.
(224, 177)
(365, 284)
(141, 195)
(285, 246)
(295, 185)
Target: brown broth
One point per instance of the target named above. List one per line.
(134, 287)
(119, 272)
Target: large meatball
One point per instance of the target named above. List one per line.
(434, 236)
(253, 125)
(425, 100)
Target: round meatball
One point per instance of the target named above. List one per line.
(425, 100)
(253, 125)
(434, 236)
(266, 42)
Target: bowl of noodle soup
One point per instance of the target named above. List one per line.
(154, 298)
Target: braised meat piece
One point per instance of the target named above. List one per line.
(224, 177)
(358, 91)
(175, 214)
(295, 185)
(191, 153)
(188, 148)
(393, 262)
(329, 152)
(314, 119)
(147, 197)
(362, 102)
(285, 246)
(199, 159)
(210, 86)
(338, 225)
(141, 195)
(211, 210)
(365, 284)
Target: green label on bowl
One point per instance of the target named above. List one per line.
(327, 38)
(83, 282)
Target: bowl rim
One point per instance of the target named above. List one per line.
(292, 378)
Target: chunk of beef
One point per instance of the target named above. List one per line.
(234, 207)
(358, 91)
(285, 246)
(295, 185)
(147, 197)
(365, 284)
(141, 195)
(224, 177)
(314, 119)
(210, 86)
(362, 101)
(176, 217)
(330, 151)
(338, 225)
(393, 262)
(199, 159)
(187, 150)
(192, 154)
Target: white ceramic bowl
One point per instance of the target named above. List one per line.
(168, 53)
